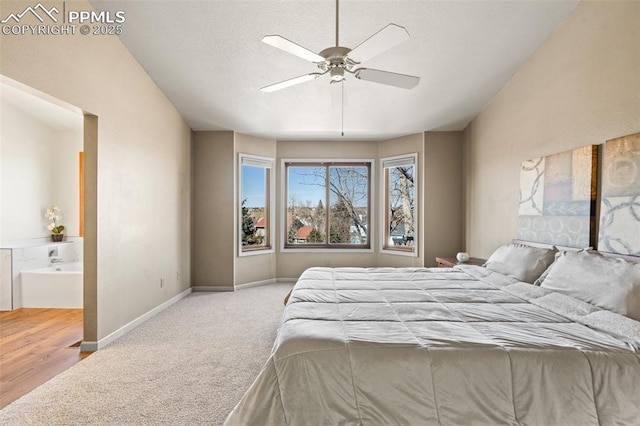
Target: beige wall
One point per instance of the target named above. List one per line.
(214, 198)
(215, 212)
(143, 168)
(443, 195)
(581, 87)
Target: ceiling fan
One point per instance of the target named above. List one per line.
(338, 60)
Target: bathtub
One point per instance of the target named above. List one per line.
(57, 286)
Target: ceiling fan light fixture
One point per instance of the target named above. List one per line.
(337, 74)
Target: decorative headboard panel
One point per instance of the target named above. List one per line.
(543, 245)
(558, 198)
(620, 206)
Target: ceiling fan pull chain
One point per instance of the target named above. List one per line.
(342, 108)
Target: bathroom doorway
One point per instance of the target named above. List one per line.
(42, 165)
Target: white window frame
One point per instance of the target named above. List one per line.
(399, 160)
(283, 212)
(267, 163)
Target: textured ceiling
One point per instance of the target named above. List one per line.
(206, 56)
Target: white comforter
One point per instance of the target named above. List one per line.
(460, 346)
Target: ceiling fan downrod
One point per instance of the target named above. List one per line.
(337, 22)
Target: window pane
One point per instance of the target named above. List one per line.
(400, 205)
(349, 205)
(327, 205)
(306, 215)
(255, 214)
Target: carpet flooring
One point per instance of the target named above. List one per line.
(188, 365)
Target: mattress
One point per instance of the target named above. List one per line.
(460, 346)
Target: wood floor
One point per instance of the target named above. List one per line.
(35, 346)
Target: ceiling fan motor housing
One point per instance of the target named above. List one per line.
(335, 62)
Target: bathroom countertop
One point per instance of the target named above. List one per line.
(36, 242)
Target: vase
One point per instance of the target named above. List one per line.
(462, 257)
(56, 237)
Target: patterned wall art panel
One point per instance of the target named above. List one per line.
(558, 198)
(620, 205)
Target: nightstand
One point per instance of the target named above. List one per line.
(449, 262)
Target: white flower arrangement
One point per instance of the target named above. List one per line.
(53, 215)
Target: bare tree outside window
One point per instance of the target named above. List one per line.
(328, 205)
(400, 204)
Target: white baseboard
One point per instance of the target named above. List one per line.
(267, 282)
(245, 285)
(211, 288)
(256, 284)
(89, 346)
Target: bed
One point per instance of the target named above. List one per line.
(505, 344)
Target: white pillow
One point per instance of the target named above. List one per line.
(523, 263)
(610, 283)
(544, 274)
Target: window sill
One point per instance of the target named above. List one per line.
(325, 250)
(256, 252)
(406, 253)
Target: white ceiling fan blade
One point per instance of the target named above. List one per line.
(291, 82)
(389, 78)
(383, 40)
(290, 47)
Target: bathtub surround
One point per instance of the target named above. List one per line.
(25, 255)
(6, 281)
(56, 286)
